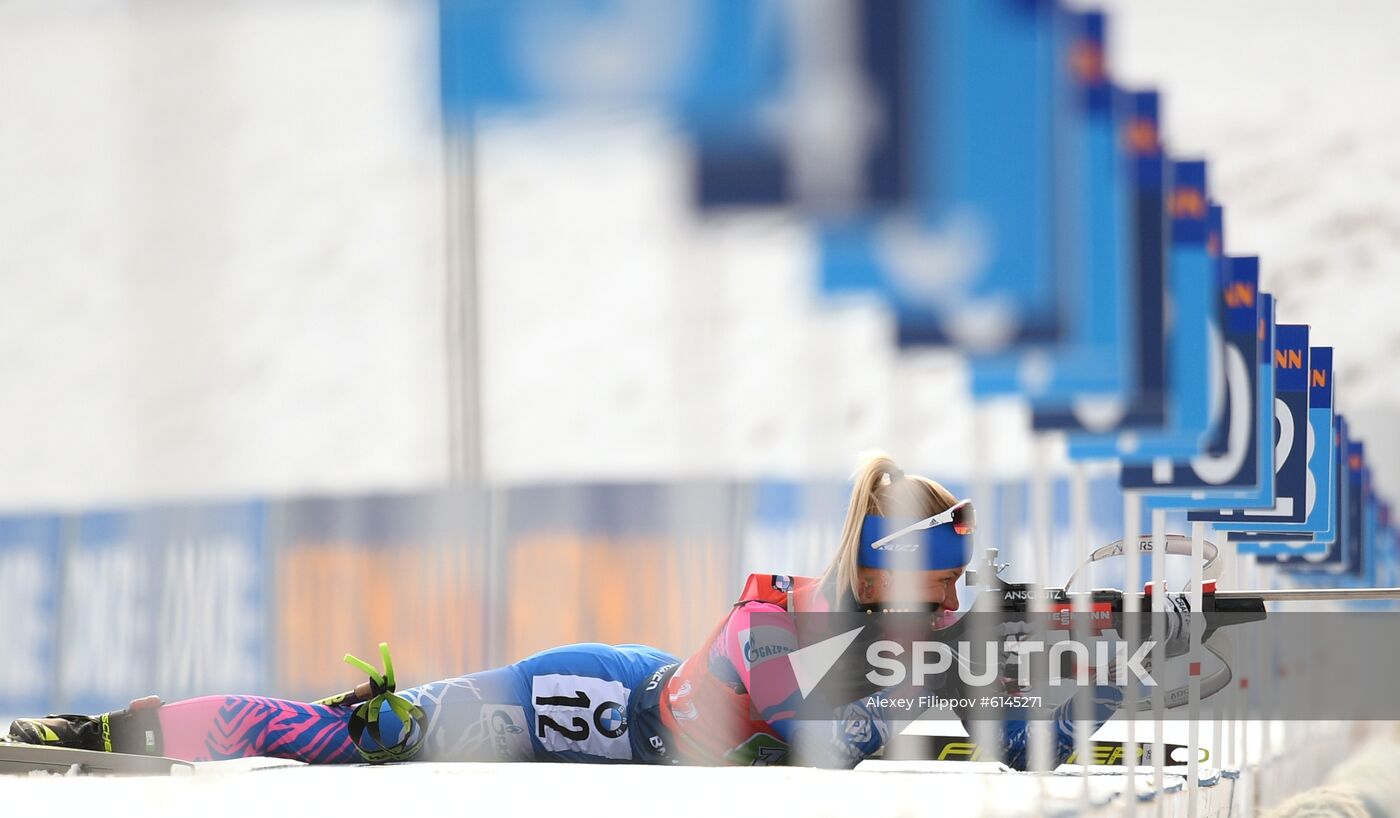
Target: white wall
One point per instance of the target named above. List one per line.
(624, 336)
(1292, 102)
(221, 252)
(222, 258)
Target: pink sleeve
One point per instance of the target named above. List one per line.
(756, 641)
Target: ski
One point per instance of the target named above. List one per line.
(20, 759)
(962, 748)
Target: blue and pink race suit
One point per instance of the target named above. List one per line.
(590, 703)
(717, 714)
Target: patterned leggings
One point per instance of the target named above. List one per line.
(564, 704)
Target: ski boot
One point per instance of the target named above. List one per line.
(135, 729)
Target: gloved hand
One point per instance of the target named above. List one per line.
(1177, 633)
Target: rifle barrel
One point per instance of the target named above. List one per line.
(1312, 594)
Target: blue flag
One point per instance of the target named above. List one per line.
(975, 261)
(1321, 510)
(1244, 476)
(1192, 278)
(1238, 403)
(839, 138)
(1093, 360)
(1292, 373)
(1299, 555)
(1144, 407)
(699, 61)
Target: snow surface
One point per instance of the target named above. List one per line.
(239, 789)
(261, 786)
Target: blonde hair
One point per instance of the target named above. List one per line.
(882, 489)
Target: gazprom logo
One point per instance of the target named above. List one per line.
(752, 652)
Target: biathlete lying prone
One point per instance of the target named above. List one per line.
(600, 703)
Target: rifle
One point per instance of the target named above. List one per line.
(1219, 609)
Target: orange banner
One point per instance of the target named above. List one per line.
(424, 600)
(566, 588)
(430, 604)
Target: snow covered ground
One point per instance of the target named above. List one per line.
(877, 787)
(236, 789)
(1362, 762)
(257, 786)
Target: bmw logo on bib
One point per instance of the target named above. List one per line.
(610, 720)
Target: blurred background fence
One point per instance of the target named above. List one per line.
(265, 596)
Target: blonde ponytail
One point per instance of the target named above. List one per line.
(879, 487)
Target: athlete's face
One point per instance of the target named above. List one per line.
(936, 591)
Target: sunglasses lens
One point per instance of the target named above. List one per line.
(964, 520)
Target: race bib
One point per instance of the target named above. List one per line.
(581, 714)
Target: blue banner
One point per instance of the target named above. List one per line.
(1370, 556)
(1191, 280)
(1218, 437)
(976, 262)
(1094, 360)
(1144, 407)
(1270, 446)
(1326, 553)
(109, 644)
(179, 609)
(30, 585)
(1292, 374)
(840, 138)
(1240, 404)
(1388, 568)
(1358, 486)
(702, 61)
(1257, 462)
(1321, 510)
(212, 604)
